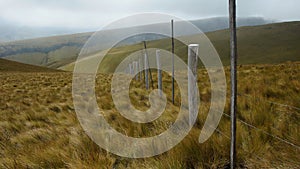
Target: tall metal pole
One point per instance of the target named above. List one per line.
(173, 74)
(233, 74)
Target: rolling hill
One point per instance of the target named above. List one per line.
(12, 66)
(57, 51)
(272, 43)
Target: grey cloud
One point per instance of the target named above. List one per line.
(96, 13)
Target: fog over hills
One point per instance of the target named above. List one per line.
(10, 31)
(57, 51)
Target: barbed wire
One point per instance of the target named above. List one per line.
(271, 102)
(220, 132)
(228, 138)
(263, 131)
(252, 126)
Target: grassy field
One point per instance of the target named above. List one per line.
(39, 127)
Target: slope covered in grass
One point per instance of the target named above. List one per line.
(273, 43)
(39, 127)
(12, 66)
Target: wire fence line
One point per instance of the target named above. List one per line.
(254, 127)
(225, 135)
(220, 132)
(259, 129)
(228, 138)
(263, 131)
(253, 154)
(251, 125)
(271, 102)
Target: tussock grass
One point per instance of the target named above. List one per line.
(39, 127)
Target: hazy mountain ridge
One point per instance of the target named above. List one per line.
(10, 31)
(265, 44)
(219, 23)
(14, 32)
(57, 51)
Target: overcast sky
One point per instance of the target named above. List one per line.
(96, 13)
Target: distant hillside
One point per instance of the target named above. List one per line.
(11, 66)
(273, 43)
(10, 31)
(50, 52)
(219, 23)
(57, 51)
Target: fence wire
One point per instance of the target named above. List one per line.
(271, 102)
(263, 131)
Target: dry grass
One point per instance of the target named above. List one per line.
(39, 128)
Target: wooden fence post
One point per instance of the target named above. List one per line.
(149, 70)
(140, 69)
(135, 64)
(146, 71)
(159, 74)
(192, 79)
(173, 71)
(130, 68)
(233, 75)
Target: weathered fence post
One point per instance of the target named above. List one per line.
(140, 69)
(130, 68)
(159, 75)
(173, 73)
(233, 75)
(135, 65)
(192, 80)
(149, 70)
(146, 71)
